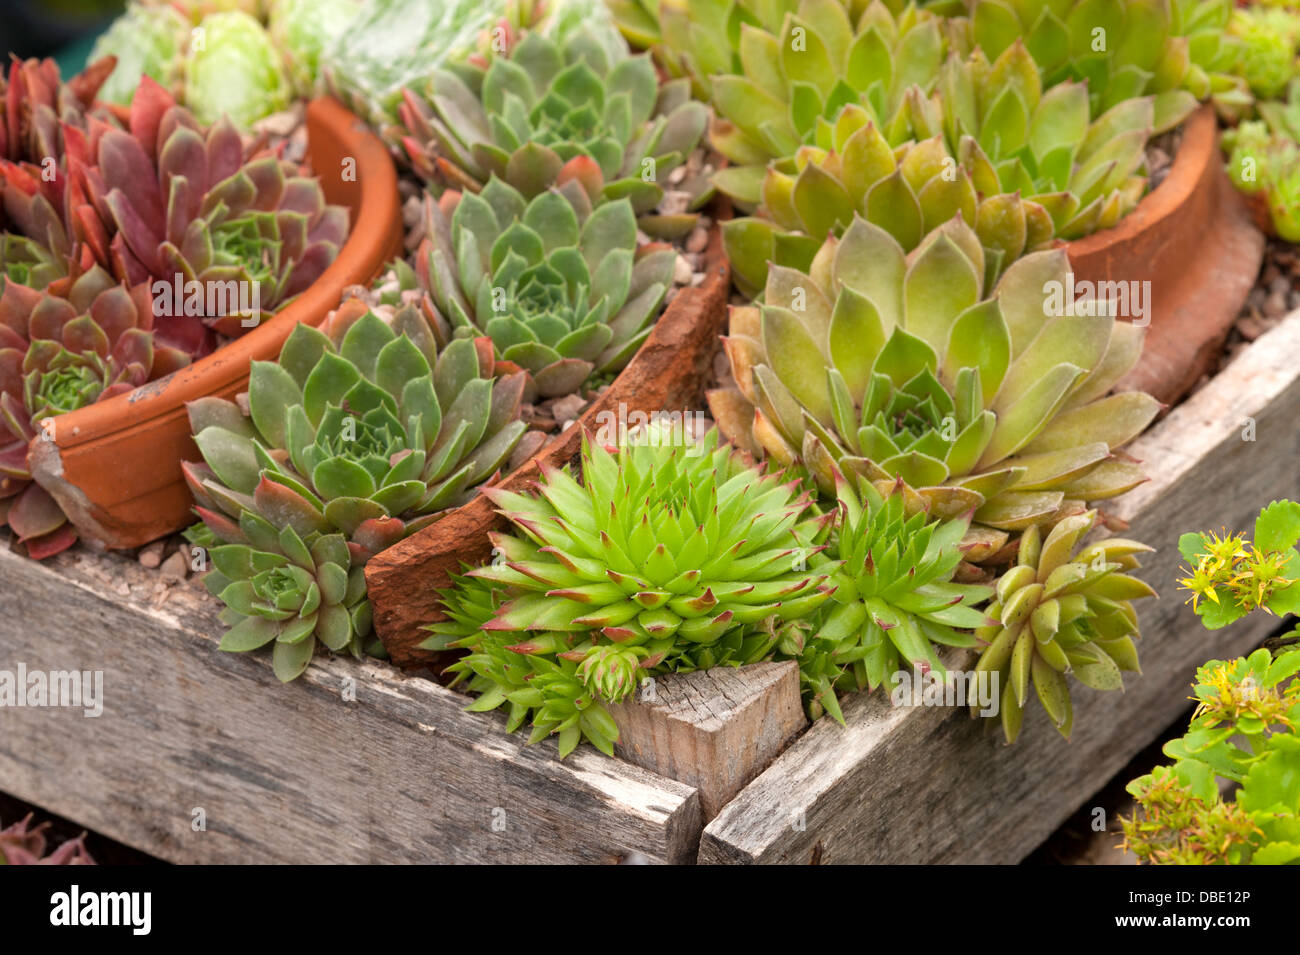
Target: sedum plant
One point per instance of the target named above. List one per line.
(891, 366)
(1062, 610)
(1269, 37)
(664, 558)
(1264, 160)
(548, 110)
(82, 340)
(1243, 731)
(302, 29)
(365, 429)
(557, 284)
(168, 197)
(894, 597)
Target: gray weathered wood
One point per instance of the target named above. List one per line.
(714, 729)
(293, 773)
(927, 784)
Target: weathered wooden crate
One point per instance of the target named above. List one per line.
(358, 763)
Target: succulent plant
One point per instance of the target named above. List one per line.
(168, 198)
(41, 118)
(892, 366)
(1062, 610)
(394, 44)
(1022, 165)
(894, 596)
(1231, 796)
(235, 73)
(364, 429)
(301, 29)
(82, 340)
(666, 557)
(282, 588)
(148, 39)
(559, 286)
(1169, 50)
(550, 111)
(1266, 58)
(25, 844)
(1264, 160)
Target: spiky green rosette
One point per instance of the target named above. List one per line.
(891, 366)
(364, 429)
(83, 339)
(555, 283)
(1062, 610)
(894, 597)
(281, 588)
(548, 111)
(665, 558)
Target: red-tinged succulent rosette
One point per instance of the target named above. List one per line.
(165, 198)
(80, 341)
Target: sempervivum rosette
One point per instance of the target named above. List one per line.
(666, 557)
(560, 287)
(78, 342)
(546, 108)
(890, 365)
(168, 198)
(365, 429)
(41, 119)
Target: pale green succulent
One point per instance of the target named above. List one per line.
(301, 29)
(234, 70)
(149, 40)
(892, 366)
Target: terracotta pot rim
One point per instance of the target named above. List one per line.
(1199, 147)
(226, 366)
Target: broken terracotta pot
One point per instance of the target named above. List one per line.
(667, 374)
(114, 466)
(1194, 240)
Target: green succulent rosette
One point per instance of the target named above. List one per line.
(148, 39)
(890, 366)
(233, 70)
(1062, 610)
(665, 557)
(894, 598)
(558, 284)
(279, 589)
(547, 111)
(365, 430)
(302, 29)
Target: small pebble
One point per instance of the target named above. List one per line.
(151, 554)
(567, 408)
(698, 240)
(1275, 304)
(177, 565)
(682, 271)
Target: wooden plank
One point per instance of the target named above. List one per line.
(713, 729)
(928, 784)
(351, 763)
